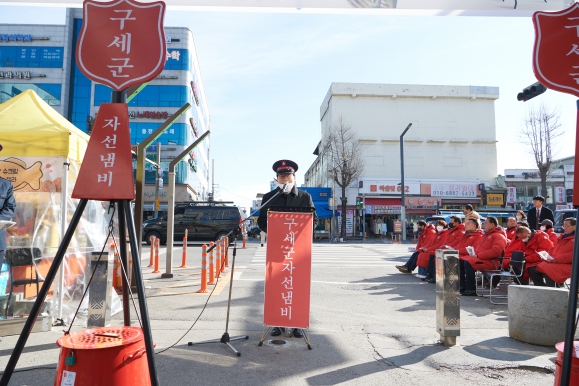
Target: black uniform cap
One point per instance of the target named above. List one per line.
(285, 166)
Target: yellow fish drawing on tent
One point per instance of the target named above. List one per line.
(15, 170)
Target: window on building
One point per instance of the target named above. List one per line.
(150, 96)
(79, 107)
(31, 57)
(50, 93)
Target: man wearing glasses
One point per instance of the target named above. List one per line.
(292, 197)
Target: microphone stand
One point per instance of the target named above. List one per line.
(225, 338)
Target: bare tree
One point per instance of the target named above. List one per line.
(341, 144)
(540, 130)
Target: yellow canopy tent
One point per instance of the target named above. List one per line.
(41, 154)
(29, 127)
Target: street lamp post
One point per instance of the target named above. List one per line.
(402, 187)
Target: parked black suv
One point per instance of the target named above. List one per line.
(203, 222)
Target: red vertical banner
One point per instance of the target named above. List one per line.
(576, 180)
(107, 170)
(288, 270)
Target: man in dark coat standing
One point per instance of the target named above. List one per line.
(291, 197)
(7, 208)
(539, 213)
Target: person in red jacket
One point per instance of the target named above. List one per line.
(534, 242)
(555, 272)
(455, 231)
(547, 227)
(427, 234)
(511, 228)
(487, 251)
(427, 258)
(515, 245)
(471, 237)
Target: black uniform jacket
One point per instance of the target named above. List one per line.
(546, 214)
(295, 198)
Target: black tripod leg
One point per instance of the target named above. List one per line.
(126, 208)
(42, 294)
(125, 262)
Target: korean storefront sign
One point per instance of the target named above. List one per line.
(288, 270)
(107, 173)
(495, 199)
(387, 187)
(122, 43)
(454, 190)
(422, 202)
(560, 195)
(511, 194)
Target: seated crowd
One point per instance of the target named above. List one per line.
(547, 256)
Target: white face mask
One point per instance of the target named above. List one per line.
(525, 240)
(439, 228)
(288, 187)
(519, 217)
(543, 228)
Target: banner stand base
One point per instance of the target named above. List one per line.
(267, 330)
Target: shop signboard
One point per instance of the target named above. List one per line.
(397, 226)
(511, 194)
(560, 195)
(495, 199)
(387, 187)
(349, 222)
(453, 190)
(33, 174)
(422, 202)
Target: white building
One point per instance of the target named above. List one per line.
(449, 150)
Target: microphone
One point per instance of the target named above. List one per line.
(283, 186)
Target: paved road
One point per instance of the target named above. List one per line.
(370, 325)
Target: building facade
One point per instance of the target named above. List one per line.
(42, 58)
(524, 184)
(449, 151)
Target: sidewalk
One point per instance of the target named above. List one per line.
(368, 327)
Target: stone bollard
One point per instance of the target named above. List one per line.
(447, 296)
(537, 315)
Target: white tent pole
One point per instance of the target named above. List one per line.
(63, 226)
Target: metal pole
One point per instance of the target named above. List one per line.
(142, 298)
(171, 206)
(125, 261)
(157, 178)
(363, 216)
(402, 207)
(213, 179)
(41, 296)
(574, 287)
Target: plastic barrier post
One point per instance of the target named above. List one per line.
(203, 270)
(243, 245)
(218, 259)
(226, 253)
(156, 269)
(152, 253)
(184, 258)
(211, 265)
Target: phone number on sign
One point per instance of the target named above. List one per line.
(447, 193)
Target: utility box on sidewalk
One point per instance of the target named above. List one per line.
(100, 291)
(447, 296)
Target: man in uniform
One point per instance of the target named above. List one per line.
(292, 197)
(7, 208)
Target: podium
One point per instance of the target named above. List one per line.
(288, 269)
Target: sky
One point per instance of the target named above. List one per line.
(265, 76)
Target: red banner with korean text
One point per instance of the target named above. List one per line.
(288, 270)
(122, 42)
(107, 170)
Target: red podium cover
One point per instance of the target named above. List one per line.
(107, 170)
(288, 270)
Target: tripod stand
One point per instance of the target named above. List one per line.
(125, 221)
(225, 338)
